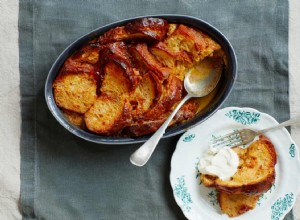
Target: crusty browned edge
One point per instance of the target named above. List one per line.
(144, 127)
(252, 188)
(148, 29)
(271, 147)
(153, 28)
(73, 67)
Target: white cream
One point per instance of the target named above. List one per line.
(222, 163)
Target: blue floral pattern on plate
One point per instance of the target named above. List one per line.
(188, 138)
(281, 205)
(244, 117)
(180, 190)
(292, 150)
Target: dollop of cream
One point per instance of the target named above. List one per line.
(222, 163)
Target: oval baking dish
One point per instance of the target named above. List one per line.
(224, 89)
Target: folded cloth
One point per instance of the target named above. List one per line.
(64, 177)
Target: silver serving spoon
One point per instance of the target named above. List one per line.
(198, 82)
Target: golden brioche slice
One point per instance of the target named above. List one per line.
(109, 114)
(75, 92)
(74, 117)
(115, 80)
(145, 95)
(236, 204)
(194, 42)
(169, 57)
(256, 170)
(179, 62)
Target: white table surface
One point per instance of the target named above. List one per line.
(10, 126)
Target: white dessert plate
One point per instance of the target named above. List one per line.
(200, 202)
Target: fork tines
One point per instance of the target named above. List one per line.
(229, 140)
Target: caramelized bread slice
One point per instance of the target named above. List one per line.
(236, 204)
(179, 62)
(171, 94)
(73, 66)
(115, 80)
(187, 111)
(183, 48)
(168, 57)
(117, 53)
(109, 115)
(156, 114)
(75, 92)
(211, 46)
(148, 28)
(114, 35)
(145, 28)
(144, 127)
(87, 54)
(74, 117)
(145, 61)
(256, 170)
(192, 41)
(145, 95)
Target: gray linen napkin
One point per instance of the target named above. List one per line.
(64, 177)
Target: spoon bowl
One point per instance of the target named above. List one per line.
(198, 82)
(203, 77)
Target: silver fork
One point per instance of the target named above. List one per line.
(245, 136)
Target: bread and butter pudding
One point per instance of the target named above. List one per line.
(127, 81)
(255, 174)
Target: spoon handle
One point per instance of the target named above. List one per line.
(143, 154)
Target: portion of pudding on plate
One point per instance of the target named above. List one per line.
(254, 175)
